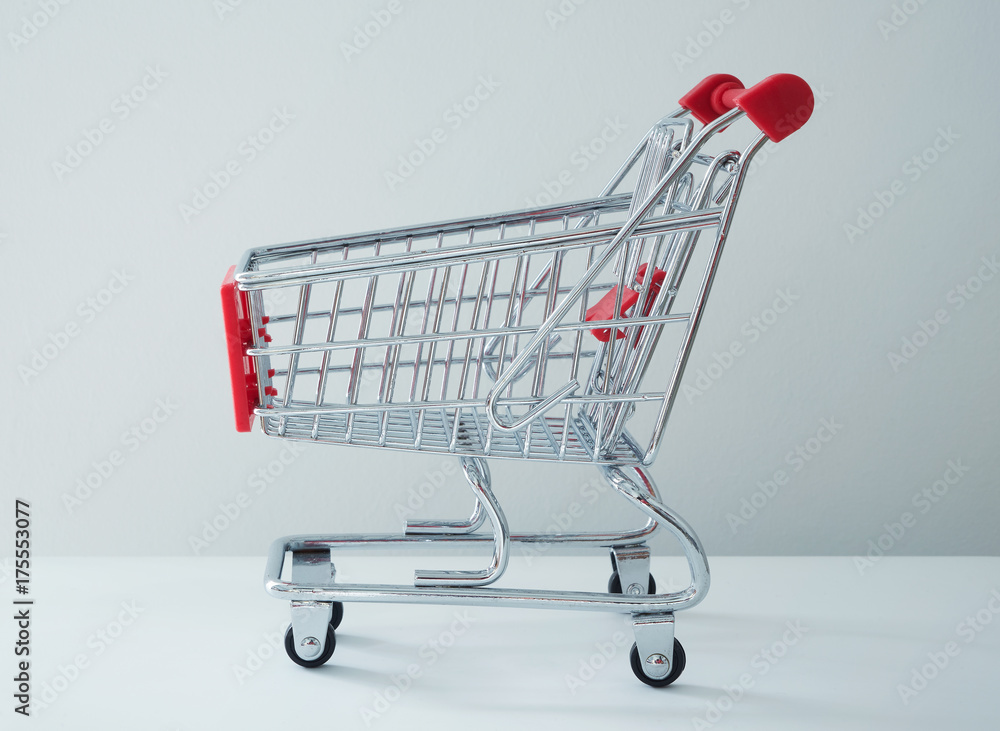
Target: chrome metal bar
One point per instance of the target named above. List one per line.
(359, 353)
(454, 327)
(626, 166)
(307, 409)
(448, 528)
(560, 311)
(640, 492)
(574, 238)
(699, 305)
(477, 474)
(331, 331)
(397, 327)
(461, 335)
(478, 596)
(408, 363)
(423, 325)
(300, 324)
(265, 254)
(533, 291)
(645, 500)
(636, 355)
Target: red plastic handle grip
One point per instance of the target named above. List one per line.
(704, 100)
(778, 105)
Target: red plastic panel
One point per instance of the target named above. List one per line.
(605, 307)
(239, 337)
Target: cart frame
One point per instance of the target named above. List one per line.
(627, 321)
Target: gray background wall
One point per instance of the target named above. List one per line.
(891, 78)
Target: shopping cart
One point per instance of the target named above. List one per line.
(537, 335)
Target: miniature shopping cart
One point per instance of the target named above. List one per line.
(558, 333)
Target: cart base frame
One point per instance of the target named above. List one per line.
(657, 658)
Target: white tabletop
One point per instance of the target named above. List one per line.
(779, 643)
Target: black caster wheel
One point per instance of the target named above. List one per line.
(338, 614)
(615, 584)
(331, 644)
(680, 661)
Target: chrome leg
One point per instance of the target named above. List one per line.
(449, 528)
(640, 493)
(477, 473)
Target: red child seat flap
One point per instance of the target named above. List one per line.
(239, 337)
(605, 307)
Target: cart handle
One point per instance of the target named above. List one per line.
(778, 105)
(506, 376)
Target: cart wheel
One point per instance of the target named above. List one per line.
(331, 644)
(615, 584)
(338, 614)
(680, 661)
